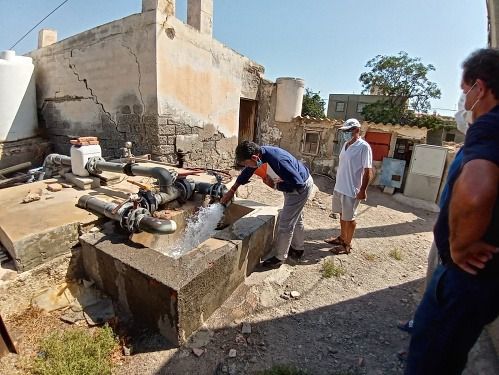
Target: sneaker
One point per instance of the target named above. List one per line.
(271, 263)
(295, 254)
(407, 326)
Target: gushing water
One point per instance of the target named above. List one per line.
(199, 228)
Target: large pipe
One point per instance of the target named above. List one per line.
(129, 218)
(107, 209)
(51, 162)
(164, 177)
(152, 225)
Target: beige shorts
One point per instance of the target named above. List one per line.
(345, 205)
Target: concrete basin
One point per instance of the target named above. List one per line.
(176, 295)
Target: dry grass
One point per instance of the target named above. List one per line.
(396, 254)
(330, 269)
(77, 351)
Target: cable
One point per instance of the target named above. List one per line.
(30, 30)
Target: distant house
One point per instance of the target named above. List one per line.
(345, 106)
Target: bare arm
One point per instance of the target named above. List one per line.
(366, 177)
(473, 198)
(230, 194)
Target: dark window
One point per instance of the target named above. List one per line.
(340, 106)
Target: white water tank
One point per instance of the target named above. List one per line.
(18, 119)
(289, 98)
(80, 156)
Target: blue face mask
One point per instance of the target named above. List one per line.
(347, 136)
(259, 163)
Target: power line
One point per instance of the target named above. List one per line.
(44, 18)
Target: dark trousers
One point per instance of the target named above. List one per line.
(454, 309)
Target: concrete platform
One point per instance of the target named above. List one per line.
(36, 232)
(176, 296)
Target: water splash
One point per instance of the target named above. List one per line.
(200, 227)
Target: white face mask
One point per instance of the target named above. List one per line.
(462, 116)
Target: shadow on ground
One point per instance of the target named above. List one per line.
(336, 337)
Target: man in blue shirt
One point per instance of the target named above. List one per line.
(463, 294)
(282, 171)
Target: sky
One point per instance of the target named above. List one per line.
(325, 42)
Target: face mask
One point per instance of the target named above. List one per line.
(259, 163)
(462, 116)
(347, 136)
(470, 116)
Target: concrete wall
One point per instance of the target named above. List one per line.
(291, 137)
(150, 79)
(200, 83)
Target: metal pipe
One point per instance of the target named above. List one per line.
(102, 207)
(164, 177)
(103, 165)
(57, 159)
(152, 225)
(130, 218)
(52, 161)
(15, 168)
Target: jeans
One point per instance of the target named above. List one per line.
(451, 316)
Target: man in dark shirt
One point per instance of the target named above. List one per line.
(463, 295)
(282, 171)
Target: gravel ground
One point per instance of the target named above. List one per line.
(340, 325)
(344, 324)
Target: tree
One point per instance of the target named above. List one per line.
(403, 81)
(313, 105)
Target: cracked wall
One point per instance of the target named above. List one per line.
(150, 79)
(101, 82)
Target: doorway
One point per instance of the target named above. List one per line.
(247, 120)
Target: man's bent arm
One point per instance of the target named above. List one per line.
(473, 199)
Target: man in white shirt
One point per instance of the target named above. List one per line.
(352, 178)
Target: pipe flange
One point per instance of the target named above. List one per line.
(91, 166)
(186, 189)
(133, 219)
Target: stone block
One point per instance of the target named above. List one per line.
(84, 183)
(162, 149)
(182, 129)
(167, 129)
(188, 142)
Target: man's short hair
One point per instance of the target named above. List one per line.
(483, 64)
(245, 150)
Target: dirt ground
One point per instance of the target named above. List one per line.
(337, 325)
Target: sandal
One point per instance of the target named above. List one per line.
(341, 249)
(334, 241)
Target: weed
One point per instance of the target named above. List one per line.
(396, 254)
(76, 352)
(282, 370)
(369, 256)
(330, 269)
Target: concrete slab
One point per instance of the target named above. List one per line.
(36, 232)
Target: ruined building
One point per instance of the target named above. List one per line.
(151, 79)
